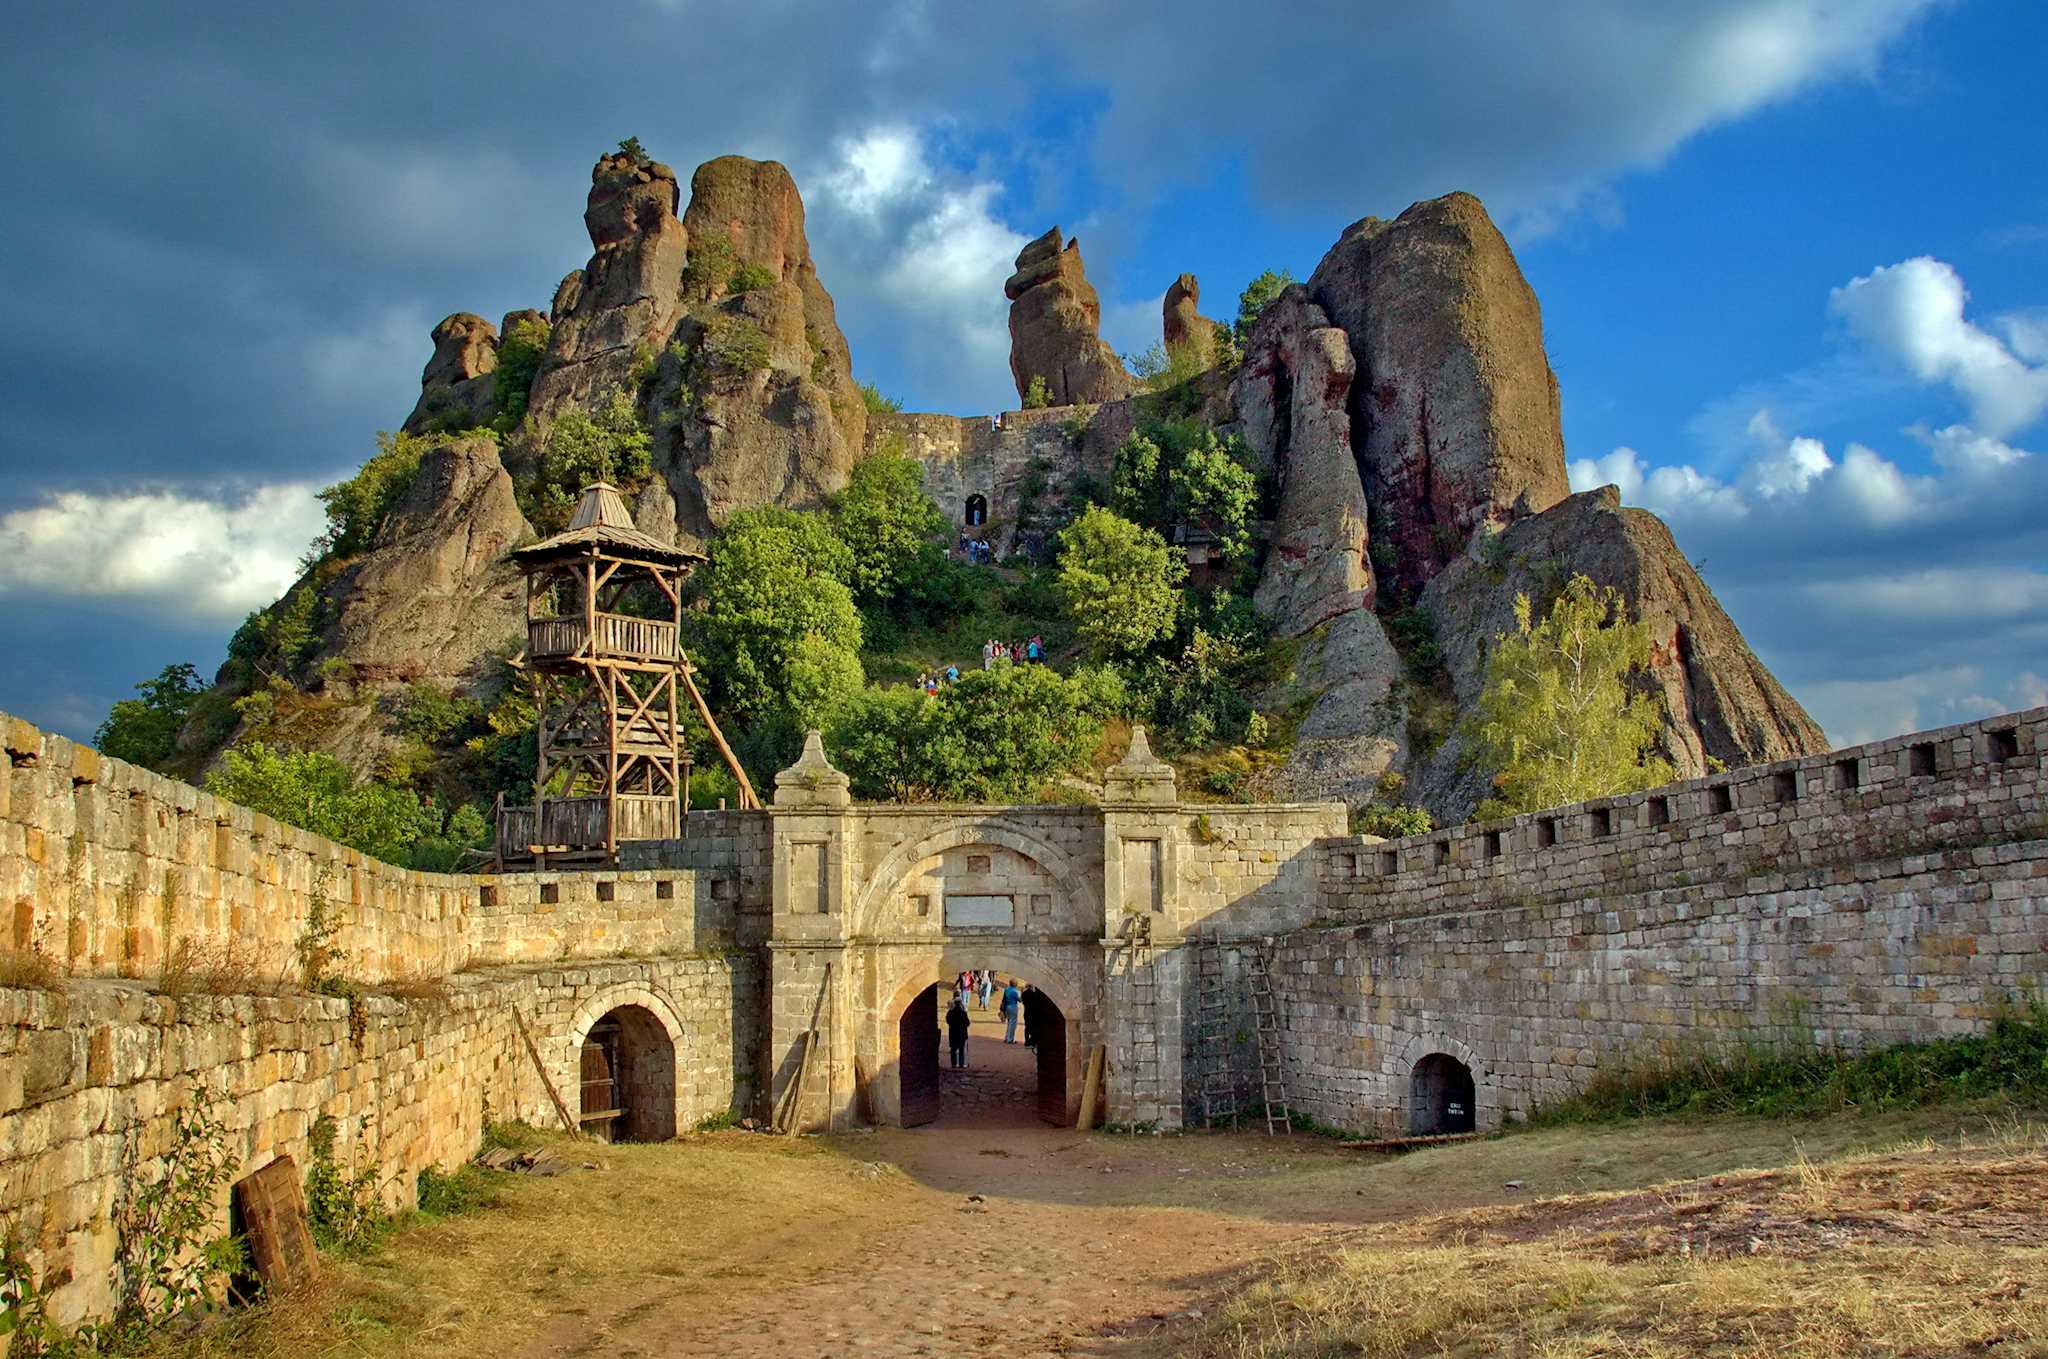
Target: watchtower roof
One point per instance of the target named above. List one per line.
(601, 523)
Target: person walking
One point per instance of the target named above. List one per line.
(956, 1031)
(988, 985)
(1013, 1001)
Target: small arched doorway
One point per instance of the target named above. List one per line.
(628, 1072)
(977, 510)
(1002, 1081)
(1441, 1097)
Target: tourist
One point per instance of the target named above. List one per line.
(1013, 1001)
(988, 655)
(956, 1031)
(988, 986)
(1034, 651)
(952, 674)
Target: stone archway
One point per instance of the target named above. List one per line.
(897, 866)
(909, 1050)
(617, 1065)
(1440, 1085)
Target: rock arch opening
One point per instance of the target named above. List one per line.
(628, 1070)
(1017, 1082)
(976, 511)
(1442, 1097)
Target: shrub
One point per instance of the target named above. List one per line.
(1170, 473)
(145, 730)
(1391, 820)
(581, 447)
(318, 793)
(631, 147)
(462, 1190)
(1118, 582)
(1037, 395)
(736, 345)
(341, 1204)
(877, 404)
(710, 266)
(356, 507)
(750, 276)
(519, 356)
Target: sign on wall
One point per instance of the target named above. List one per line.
(980, 912)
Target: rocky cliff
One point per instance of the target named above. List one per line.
(1422, 487)
(1181, 323)
(1055, 327)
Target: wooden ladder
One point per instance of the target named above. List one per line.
(1213, 1033)
(1266, 1019)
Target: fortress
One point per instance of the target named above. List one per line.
(1882, 892)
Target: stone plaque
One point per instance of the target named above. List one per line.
(980, 912)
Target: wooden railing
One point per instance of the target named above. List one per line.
(579, 822)
(617, 635)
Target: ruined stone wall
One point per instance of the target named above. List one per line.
(1889, 891)
(106, 868)
(1024, 466)
(91, 1074)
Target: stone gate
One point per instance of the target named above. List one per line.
(874, 905)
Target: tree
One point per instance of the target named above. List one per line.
(878, 404)
(774, 591)
(356, 507)
(1559, 720)
(1257, 296)
(1118, 582)
(144, 730)
(1181, 472)
(631, 147)
(884, 517)
(318, 793)
(1036, 394)
(580, 447)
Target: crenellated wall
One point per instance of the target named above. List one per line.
(1888, 891)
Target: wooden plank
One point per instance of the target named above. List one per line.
(272, 1203)
(569, 1124)
(1091, 1089)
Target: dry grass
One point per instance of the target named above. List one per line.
(420, 988)
(218, 967)
(31, 968)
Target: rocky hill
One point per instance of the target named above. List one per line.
(1399, 401)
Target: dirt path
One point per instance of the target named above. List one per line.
(998, 1241)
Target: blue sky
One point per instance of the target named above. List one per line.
(1790, 252)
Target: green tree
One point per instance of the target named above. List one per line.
(318, 793)
(631, 147)
(1036, 394)
(1118, 582)
(1181, 472)
(884, 517)
(519, 356)
(581, 447)
(1256, 297)
(774, 591)
(356, 507)
(144, 730)
(1559, 719)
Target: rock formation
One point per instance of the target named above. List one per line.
(1455, 407)
(456, 386)
(1718, 698)
(1293, 397)
(1452, 441)
(1182, 323)
(1055, 324)
(624, 302)
(433, 595)
(755, 403)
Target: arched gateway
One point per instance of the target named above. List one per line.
(877, 908)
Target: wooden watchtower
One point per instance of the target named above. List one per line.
(604, 616)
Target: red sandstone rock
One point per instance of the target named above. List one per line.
(1181, 321)
(1055, 323)
(456, 386)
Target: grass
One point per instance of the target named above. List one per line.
(30, 968)
(2008, 1059)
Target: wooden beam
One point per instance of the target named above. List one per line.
(1091, 1089)
(561, 1110)
(749, 800)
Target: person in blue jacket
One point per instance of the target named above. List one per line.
(1013, 1005)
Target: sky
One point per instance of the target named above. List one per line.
(1792, 257)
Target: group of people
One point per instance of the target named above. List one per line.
(930, 680)
(980, 985)
(977, 550)
(1016, 653)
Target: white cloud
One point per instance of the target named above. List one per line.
(1913, 313)
(1675, 492)
(209, 560)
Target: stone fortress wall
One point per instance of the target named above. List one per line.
(1892, 890)
(1888, 891)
